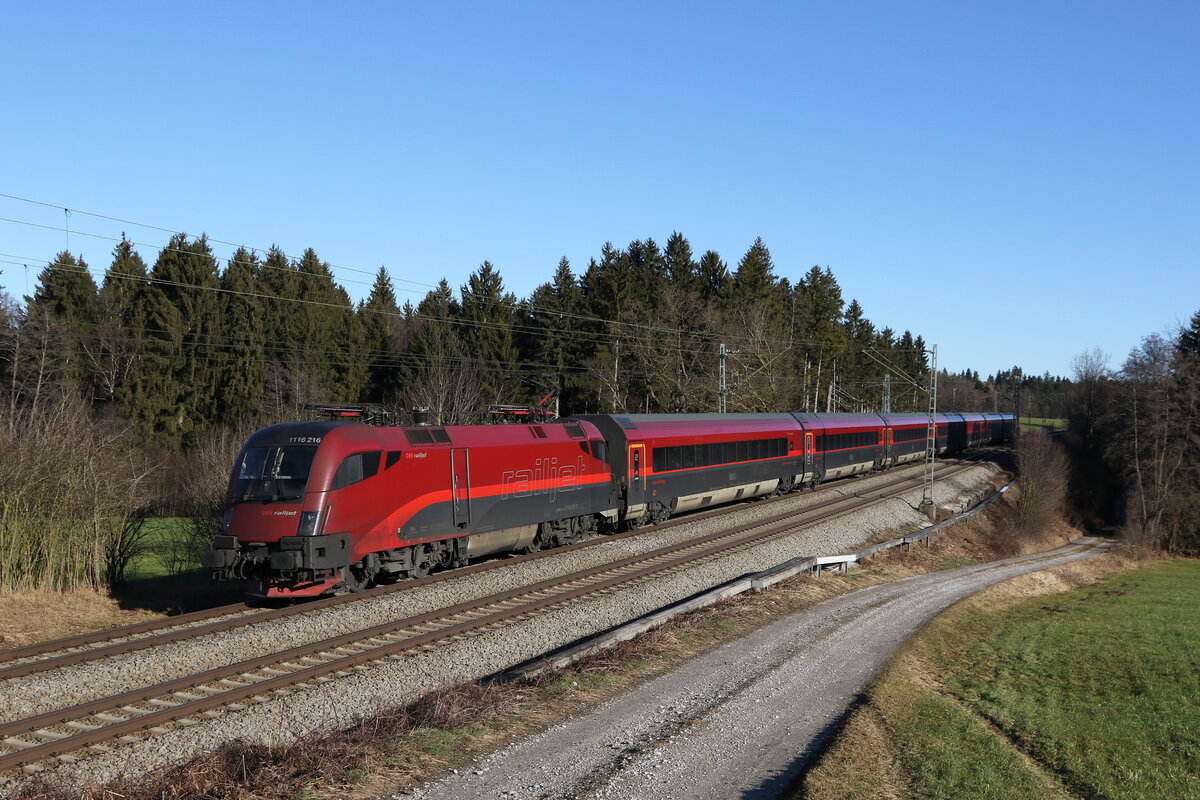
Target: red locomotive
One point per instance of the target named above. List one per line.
(318, 506)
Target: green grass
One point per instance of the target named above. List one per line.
(160, 536)
(159, 581)
(1042, 423)
(1090, 693)
(948, 754)
(1099, 686)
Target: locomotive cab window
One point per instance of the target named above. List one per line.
(271, 474)
(355, 468)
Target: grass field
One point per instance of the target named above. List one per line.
(162, 535)
(167, 575)
(1042, 424)
(1090, 693)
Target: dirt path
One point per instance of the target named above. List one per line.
(743, 720)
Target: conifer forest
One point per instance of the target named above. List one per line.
(127, 390)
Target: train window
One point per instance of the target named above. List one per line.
(674, 458)
(418, 436)
(355, 468)
(598, 450)
(689, 456)
(273, 473)
(392, 457)
(710, 454)
(574, 430)
(440, 435)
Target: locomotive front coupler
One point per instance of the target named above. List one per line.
(294, 557)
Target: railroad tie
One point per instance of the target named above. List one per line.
(17, 744)
(55, 735)
(82, 726)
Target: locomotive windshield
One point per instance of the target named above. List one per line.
(271, 474)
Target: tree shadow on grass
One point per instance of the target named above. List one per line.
(192, 590)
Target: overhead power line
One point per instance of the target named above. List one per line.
(431, 287)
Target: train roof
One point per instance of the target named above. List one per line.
(356, 434)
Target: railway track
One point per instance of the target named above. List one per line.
(42, 656)
(135, 715)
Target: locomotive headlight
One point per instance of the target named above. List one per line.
(226, 520)
(308, 523)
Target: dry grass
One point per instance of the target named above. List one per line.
(867, 771)
(449, 729)
(38, 616)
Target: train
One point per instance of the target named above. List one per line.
(323, 506)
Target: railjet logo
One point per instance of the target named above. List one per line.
(547, 477)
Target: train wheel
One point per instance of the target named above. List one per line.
(424, 558)
(353, 579)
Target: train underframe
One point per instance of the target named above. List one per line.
(306, 566)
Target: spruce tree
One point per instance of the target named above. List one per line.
(1189, 337)
(487, 311)
(714, 277)
(681, 268)
(859, 370)
(332, 339)
(647, 273)
(557, 343)
(242, 355)
(187, 277)
(380, 321)
(755, 281)
(66, 289)
(66, 306)
(283, 318)
(151, 399)
(122, 323)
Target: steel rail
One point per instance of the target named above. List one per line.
(245, 684)
(181, 627)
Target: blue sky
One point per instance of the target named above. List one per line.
(1016, 181)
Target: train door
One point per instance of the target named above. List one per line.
(808, 454)
(637, 471)
(889, 442)
(460, 486)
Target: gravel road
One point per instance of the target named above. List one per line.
(743, 720)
